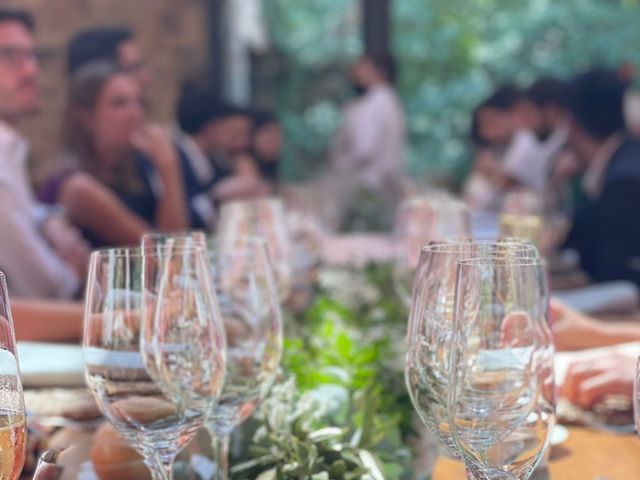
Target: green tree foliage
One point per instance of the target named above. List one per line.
(451, 54)
(454, 52)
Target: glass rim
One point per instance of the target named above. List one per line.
(181, 234)
(500, 261)
(455, 245)
(138, 252)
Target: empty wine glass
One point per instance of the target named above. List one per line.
(501, 403)
(250, 309)
(431, 321)
(636, 397)
(265, 218)
(155, 418)
(420, 220)
(156, 242)
(12, 412)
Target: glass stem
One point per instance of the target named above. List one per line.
(221, 456)
(161, 467)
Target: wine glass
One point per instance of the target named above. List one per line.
(12, 412)
(636, 397)
(501, 403)
(430, 326)
(155, 417)
(522, 216)
(250, 310)
(264, 217)
(420, 220)
(157, 241)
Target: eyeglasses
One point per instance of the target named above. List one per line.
(134, 68)
(18, 56)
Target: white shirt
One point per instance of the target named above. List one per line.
(523, 160)
(32, 267)
(529, 160)
(372, 138)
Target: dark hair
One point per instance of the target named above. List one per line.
(385, 63)
(19, 16)
(548, 90)
(504, 98)
(197, 107)
(596, 102)
(95, 44)
(474, 132)
(260, 118)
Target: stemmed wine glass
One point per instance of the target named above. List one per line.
(156, 242)
(420, 220)
(501, 404)
(12, 411)
(264, 217)
(155, 389)
(431, 321)
(522, 216)
(248, 297)
(636, 397)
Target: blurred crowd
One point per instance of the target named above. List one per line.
(574, 143)
(114, 175)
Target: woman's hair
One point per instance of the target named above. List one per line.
(85, 87)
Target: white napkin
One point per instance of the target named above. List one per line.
(50, 364)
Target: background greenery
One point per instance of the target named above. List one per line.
(451, 54)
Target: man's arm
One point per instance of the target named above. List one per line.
(32, 267)
(47, 321)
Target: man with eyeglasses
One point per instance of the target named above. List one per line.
(41, 254)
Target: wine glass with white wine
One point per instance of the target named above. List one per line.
(12, 411)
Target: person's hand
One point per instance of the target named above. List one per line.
(590, 380)
(485, 163)
(68, 243)
(239, 187)
(573, 330)
(567, 166)
(155, 142)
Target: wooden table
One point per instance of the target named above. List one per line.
(586, 455)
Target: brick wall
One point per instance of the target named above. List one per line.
(171, 33)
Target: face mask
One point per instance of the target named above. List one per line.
(358, 89)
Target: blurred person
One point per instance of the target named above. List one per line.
(588, 381)
(606, 374)
(505, 152)
(549, 95)
(47, 321)
(627, 74)
(371, 141)
(213, 141)
(114, 44)
(266, 144)
(606, 230)
(42, 255)
(119, 177)
(574, 330)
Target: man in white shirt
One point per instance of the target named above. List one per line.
(40, 253)
(370, 144)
